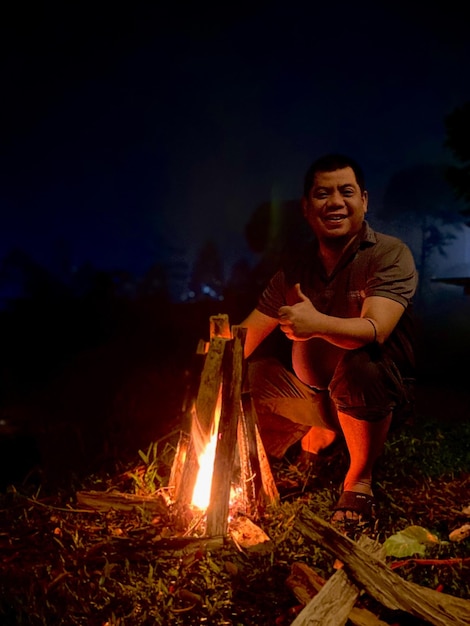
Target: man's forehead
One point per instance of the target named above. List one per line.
(338, 178)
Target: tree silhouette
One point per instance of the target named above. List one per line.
(457, 126)
(420, 207)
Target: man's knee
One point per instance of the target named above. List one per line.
(276, 390)
(366, 385)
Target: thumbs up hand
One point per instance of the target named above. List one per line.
(299, 321)
(301, 296)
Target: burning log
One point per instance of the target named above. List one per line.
(257, 479)
(217, 512)
(206, 403)
(380, 582)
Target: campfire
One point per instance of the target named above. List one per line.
(220, 466)
(220, 473)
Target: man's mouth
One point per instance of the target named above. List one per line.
(334, 218)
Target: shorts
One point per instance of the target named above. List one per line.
(366, 385)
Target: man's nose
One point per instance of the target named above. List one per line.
(335, 199)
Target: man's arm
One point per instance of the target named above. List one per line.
(379, 316)
(258, 326)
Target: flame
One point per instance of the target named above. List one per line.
(206, 456)
(202, 488)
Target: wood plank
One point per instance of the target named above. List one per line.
(211, 380)
(203, 419)
(380, 582)
(266, 491)
(218, 509)
(270, 490)
(332, 605)
(250, 470)
(219, 326)
(107, 500)
(306, 584)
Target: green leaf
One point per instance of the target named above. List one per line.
(144, 457)
(410, 541)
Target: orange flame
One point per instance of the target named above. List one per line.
(202, 488)
(206, 456)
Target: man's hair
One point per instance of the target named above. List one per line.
(330, 163)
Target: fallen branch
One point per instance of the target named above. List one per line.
(436, 562)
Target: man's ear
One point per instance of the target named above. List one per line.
(304, 203)
(365, 197)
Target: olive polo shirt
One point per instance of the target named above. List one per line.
(375, 265)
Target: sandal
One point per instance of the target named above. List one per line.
(361, 503)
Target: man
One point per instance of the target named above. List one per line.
(345, 303)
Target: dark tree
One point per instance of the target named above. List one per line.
(420, 207)
(457, 126)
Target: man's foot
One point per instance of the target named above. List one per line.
(354, 512)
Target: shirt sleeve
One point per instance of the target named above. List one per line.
(273, 296)
(395, 275)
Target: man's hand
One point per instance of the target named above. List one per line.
(298, 322)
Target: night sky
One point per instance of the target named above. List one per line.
(131, 135)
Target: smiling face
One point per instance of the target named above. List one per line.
(335, 206)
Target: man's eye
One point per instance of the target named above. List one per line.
(348, 193)
(320, 195)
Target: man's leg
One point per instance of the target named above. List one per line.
(367, 389)
(287, 409)
(365, 442)
(318, 439)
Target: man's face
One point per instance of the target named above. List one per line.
(335, 207)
